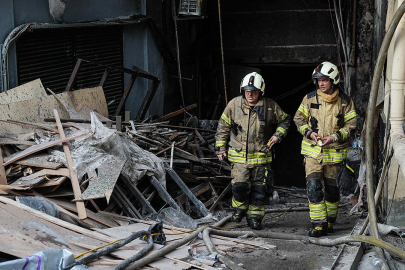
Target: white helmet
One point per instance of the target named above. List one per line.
(252, 82)
(326, 69)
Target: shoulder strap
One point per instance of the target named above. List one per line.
(311, 94)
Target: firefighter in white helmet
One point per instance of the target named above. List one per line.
(326, 118)
(245, 137)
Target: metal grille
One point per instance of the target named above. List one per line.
(50, 54)
(190, 7)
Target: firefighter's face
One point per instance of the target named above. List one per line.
(252, 97)
(325, 85)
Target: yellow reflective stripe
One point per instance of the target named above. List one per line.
(344, 133)
(282, 130)
(282, 118)
(226, 119)
(317, 211)
(253, 158)
(256, 210)
(318, 215)
(349, 115)
(332, 155)
(237, 204)
(317, 207)
(332, 208)
(347, 166)
(302, 128)
(220, 143)
(310, 150)
(303, 110)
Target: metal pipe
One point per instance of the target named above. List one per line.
(370, 119)
(166, 249)
(211, 248)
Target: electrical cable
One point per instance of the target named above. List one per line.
(292, 91)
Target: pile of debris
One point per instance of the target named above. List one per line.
(69, 161)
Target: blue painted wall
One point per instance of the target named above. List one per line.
(139, 46)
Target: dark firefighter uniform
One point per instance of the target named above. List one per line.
(244, 131)
(328, 115)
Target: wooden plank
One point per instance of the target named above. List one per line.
(138, 195)
(39, 147)
(198, 190)
(3, 178)
(126, 93)
(56, 221)
(73, 176)
(40, 161)
(175, 113)
(30, 125)
(220, 196)
(90, 214)
(200, 206)
(127, 202)
(163, 193)
(60, 171)
(57, 182)
(72, 79)
(14, 142)
(147, 99)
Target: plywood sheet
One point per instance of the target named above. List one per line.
(27, 91)
(92, 98)
(24, 234)
(38, 108)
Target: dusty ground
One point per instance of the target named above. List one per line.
(293, 254)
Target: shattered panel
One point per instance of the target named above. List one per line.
(103, 185)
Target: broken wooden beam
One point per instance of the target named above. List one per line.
(163, 193)
(73, 176)
(175, 113)
(39, 147)
(186, 190)
(138, 195)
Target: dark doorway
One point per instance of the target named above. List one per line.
(287, 85)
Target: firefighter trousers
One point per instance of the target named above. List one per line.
(249, 187)
(323, 193)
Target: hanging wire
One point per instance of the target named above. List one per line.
(222, 50)
(292, 91)
(337, 42)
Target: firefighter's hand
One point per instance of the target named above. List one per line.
(222, 156)
(327, 140)
(314, 136)
(273, 140)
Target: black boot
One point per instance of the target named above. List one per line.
(331, 221)
(254, 222)
(238, 215)
(318, 229)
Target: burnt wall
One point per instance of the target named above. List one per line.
(364, 58)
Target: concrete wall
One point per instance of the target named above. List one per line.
(139, 47)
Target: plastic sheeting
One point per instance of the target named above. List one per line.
(55, 259)
(106, 146)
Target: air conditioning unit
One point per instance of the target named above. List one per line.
(190, 7)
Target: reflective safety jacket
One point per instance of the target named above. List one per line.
(245, 130)
(336, 119)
